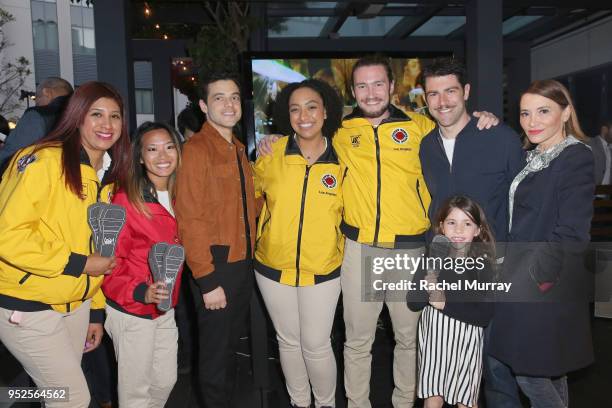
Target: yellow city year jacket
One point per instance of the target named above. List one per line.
(385, 197)
(299, 242)
(44, 235)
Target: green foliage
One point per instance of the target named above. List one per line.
(213, 51)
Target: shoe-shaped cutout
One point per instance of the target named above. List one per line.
(156, 260)
(112, 221)
(93, 219)
(173, 260)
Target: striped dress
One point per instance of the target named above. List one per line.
(450, 358)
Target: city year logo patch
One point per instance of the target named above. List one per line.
(400, 136)
(355, 140)
(329, 181)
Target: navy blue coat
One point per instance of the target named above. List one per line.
(484, 164)
(548, 333)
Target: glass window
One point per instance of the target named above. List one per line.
(83, 34)
(514, 23)
(38, 11)
(51, 35)
(297, 27)
(439, 26)
(144, 101)
(88, 17)
(76, 17)
(372, 27)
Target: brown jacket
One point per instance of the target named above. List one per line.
(209, 205)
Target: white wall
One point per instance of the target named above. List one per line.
(19, 34)
(585, 48)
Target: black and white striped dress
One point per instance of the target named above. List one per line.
(450, 358)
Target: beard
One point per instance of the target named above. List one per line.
(377, 113)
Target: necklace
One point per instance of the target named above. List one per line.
(311, 155)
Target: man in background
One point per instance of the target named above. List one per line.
(51, 97)
(602, 155)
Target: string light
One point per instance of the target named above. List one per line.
(147, 10)
(165, 36)
(157, 26)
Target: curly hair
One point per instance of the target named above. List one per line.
(331, 102)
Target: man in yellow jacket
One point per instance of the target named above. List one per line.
(385, 214)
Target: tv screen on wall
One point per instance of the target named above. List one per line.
(267, 75)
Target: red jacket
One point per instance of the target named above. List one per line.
(126, 285)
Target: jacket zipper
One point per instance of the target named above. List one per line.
(299, 236)
(378, 186)
(420, 199)
(25, 278)
(86, 289)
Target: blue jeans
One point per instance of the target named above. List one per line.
(544, 392)
(501, 390)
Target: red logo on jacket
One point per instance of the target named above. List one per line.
(400, 136)
(328, 181)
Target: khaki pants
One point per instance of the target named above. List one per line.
(50, 345)
(303, 319)
(146, 352)
(360, 319)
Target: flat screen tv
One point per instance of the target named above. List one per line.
(267, 74)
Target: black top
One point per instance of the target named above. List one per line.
(471, 305)
(484, 164)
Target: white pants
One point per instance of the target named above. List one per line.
(303, 319)
(49, 345)
(360, 319)
(146, 352)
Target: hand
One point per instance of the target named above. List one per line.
(486, 120)
(215, 299)
(264, 147)
(431, 277)
(97, 265)
(95, 331)
(437, 305)
(156, 292)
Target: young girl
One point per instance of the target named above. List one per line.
(144, 339)
(451, 326)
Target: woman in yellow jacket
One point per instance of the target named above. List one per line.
(299, 243)
(51, 305)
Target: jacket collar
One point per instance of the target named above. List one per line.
(149, 198)
(106, 163)
(328, 156)
(395, 115)
(213, 134)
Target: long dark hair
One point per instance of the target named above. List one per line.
(485, 240)
(137, 180)
(66, 134)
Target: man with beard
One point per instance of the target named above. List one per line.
(385, 207)
(457, 158)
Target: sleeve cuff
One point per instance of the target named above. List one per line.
(139, 292)
(76, 265)
(208, 282)
(96, 316)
